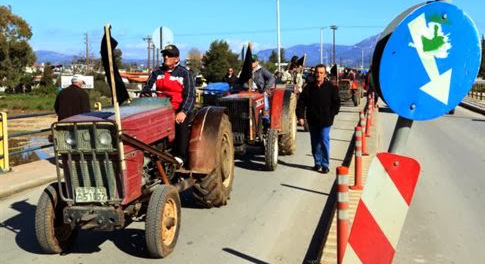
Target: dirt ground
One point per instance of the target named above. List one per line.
(31, 123)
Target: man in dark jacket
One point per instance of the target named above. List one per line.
(175, 81)
(230, 77)
(72, 100)
(322, 102)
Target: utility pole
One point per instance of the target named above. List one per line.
(153, 59)
(334, 27)
(87, 51)
(278, 33)
(148, 39)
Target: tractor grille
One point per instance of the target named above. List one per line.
(88, 153)
(238, 109)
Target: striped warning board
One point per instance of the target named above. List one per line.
(382, 209)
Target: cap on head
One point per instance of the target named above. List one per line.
(77, 78)
(171, 50)
(254, 58)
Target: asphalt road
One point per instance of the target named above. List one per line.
(445, 220)
(272, 217)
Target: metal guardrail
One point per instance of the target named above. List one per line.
(5, 152)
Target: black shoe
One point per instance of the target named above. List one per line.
(317, 168)
(325, 170)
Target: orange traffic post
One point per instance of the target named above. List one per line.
(368, 123)
(358, 159)
(362, 124)
(342, 208)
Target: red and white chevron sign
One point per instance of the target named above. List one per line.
(382, 209)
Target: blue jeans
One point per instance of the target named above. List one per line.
(320, 140)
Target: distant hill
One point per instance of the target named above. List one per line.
(346, 55)
(350, 56)
(53, 57)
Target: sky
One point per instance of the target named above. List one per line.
(61, 26)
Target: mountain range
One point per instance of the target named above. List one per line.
(348, 55)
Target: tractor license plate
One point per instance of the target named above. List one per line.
(91, 194)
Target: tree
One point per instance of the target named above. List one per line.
(481, 72)
(46, 78)
(194, 61)
(273, 58)
(15, 51)
(216, 61)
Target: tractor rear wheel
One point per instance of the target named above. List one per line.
(162, 224)
(271, 150)
(53, 235)
(287, 144)
(215, 188)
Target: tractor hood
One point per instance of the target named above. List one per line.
(137, 106)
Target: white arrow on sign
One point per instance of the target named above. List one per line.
(439, 85)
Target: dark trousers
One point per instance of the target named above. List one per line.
(182, 134)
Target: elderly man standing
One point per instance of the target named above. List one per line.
(72, 100)
(322, 102)
(263, 80)
(175, 81)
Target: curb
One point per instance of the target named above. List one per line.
(468, 104)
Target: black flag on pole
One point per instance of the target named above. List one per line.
(121, 93)
(247, 69)
(301, 61)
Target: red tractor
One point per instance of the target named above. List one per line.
(277, 135)
(108, 178)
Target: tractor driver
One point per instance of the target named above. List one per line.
(263, 81)
(175, 81)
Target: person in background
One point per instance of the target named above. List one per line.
(72, 100)
(321, 101)
(175, 81)
(230, 77)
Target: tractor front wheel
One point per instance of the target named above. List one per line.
(271, 150)
(53, 235)
(162, 224)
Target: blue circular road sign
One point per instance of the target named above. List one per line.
(427, 60)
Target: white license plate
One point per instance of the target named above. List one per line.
(91, 194)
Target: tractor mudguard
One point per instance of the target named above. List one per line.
(203, 139)
(280, 109)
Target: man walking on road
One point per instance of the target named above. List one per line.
(321, 101)
(72, 100)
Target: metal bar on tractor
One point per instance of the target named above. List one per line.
(96, 169)
(110, 175)
(165, 157)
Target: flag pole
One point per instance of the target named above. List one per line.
(250, 86)
(107, 33)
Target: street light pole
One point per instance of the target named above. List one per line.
(321, 45)
(334, 27)
(362, 65)
(278, 33)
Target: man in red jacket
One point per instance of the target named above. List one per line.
(177, 83)
(321, 100)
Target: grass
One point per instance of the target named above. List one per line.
(40, 103)
(27, 102)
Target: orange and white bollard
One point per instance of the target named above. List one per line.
(342, 211)
(362, 124)
(358, 159)
(368, 123)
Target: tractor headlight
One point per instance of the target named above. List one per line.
(69, 139)
(105, 138)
